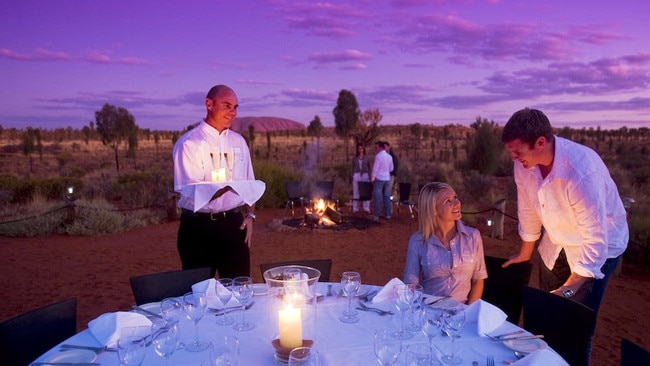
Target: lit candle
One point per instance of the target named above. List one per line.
(219, 175)
(290, 324)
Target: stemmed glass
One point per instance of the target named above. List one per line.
(414, 312)
(242, 289)
(224, 351)
(387, 347)
(453, 321)
(431, 323)
(223, 288)
(194, 304)
(350, 283)
(165, 338)
(404, 295)
(418, 355)
(171, 309)
(230, 162)
(131, 350)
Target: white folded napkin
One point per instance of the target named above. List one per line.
(107, 328)
(541, 357)
(488, 316)
(248, 190)
(207, 287)
(386, 292)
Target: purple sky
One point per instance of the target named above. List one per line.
(583, 62)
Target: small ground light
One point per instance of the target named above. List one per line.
(70, 190)
(488, 222)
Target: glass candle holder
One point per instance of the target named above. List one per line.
(293, 302)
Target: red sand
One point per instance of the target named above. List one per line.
(38, 271)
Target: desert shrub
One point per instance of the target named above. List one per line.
(24, 190)
(275, 175)
(477, 187)
(149, 188)
(24, 221)
(95, 218)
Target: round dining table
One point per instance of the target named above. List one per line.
(336, 342)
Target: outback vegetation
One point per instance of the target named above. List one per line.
(122, 174)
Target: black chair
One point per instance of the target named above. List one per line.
(567, 326)
(325, 190)
(294, 196)
(157, 286)
(365, 192)
(405, 198)
(632, 354)
(29, 335)
(503, 285)
(323, 265)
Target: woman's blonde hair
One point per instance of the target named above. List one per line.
(427, 207)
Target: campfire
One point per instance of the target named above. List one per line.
(321, 213)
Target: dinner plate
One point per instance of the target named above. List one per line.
(259, 289)
(154, 307)
(525, 345)
(73, 355)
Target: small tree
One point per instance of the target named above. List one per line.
(484, 147)
(315, 129)
(346, 117)
(29, 146)
(114, 125)
(368, 129)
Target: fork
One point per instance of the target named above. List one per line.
(490, 361)
(365, 307)
(98, 350)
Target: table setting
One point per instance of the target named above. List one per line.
(338, 322)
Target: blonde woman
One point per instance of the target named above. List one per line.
(445, 256)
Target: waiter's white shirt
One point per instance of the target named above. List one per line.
(197, 153)
(578, 205)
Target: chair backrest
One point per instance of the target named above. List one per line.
(324, 189)
(157, 286)
(323, 265)
(365, 191)
(567, 325)
(503, 285)
(632, 354)
(404, 192)
(294, 191)
(29, 335)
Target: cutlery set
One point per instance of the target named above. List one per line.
(230, 309)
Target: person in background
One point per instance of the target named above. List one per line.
(380, 178)
(566, 189)
(445, 256)
(360, 173)
(393, 173)
(219, 234)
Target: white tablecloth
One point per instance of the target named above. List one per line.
(249, 190)
(337, 343)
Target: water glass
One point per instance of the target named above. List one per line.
(350, 283)
(304, 356)
(414, 313)
(223, 289)
(452, 323)
(404, 296)
(194, 305)
(242, 289)
(431, 323)
(224, 351)
(131, 350)
(171, 309)
(387, 346)
(165, 338)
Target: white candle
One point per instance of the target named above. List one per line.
(290, 324)
(219, 175)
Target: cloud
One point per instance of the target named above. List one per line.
(344, 56)
(93, 56)
(323, 19)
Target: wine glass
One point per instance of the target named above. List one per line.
(350, 283)
(165, 338)
(304, 356)
(418, 355)
(387, 346)
(431, 323)
(171, 309)
(223, 288)
(194, 304)
(131, 350)
(414, 312)
(224, 351)
(404, 295)
(242, 289)
(453, 321)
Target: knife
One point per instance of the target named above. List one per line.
(521, 338)
(145, 311)
(65, 364)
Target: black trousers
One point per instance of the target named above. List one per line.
(214, 241)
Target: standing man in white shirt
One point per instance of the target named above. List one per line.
(219, 234)
(565, 188)
(380, 177)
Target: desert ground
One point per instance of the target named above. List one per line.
(38, 271)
